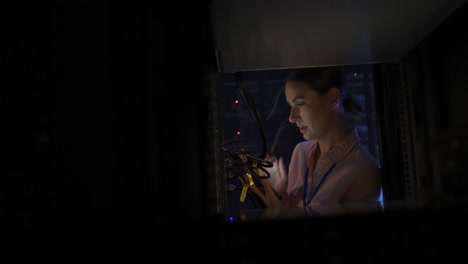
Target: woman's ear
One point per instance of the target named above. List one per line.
(334, 96)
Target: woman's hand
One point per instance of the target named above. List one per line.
(278, 175)
(272, 190)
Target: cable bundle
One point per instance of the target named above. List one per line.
(240, 161)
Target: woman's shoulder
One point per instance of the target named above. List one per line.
(363, 157)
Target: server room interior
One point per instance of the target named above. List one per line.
(420, 122)
(118, 161)
(422, 132)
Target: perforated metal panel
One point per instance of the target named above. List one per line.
(405, 133)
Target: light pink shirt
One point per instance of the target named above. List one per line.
(355, 177)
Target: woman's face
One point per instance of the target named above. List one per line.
(310, 110)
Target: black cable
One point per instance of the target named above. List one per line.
(239, 160)
(244, 91)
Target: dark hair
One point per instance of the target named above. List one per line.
(322, 79)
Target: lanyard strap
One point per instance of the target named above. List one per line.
(304, 197)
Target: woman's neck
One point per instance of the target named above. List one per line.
(334, 136)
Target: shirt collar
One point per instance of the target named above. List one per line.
(338, 152)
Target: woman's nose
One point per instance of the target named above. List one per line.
(293, 115)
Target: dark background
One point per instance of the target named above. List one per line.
(109, 133)
(105, 120)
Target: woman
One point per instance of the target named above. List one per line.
(331, 166)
